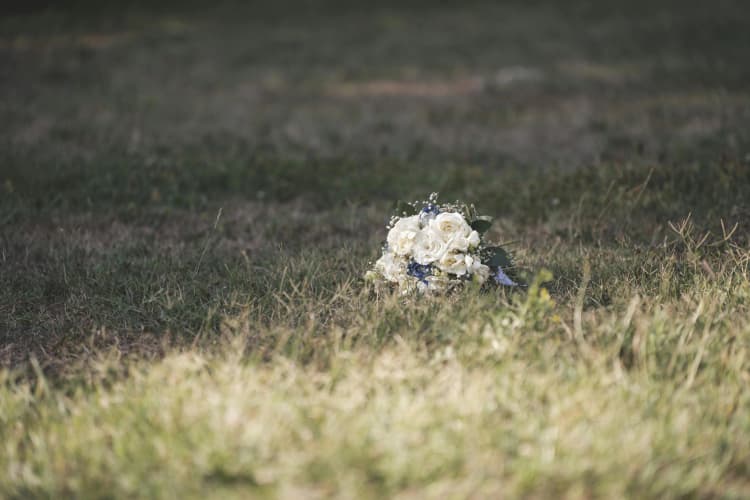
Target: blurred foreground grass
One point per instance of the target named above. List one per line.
(189, 199)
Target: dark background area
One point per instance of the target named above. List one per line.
(127, 127)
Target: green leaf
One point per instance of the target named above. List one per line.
(497, 257)
(404, 208)
(481, 224)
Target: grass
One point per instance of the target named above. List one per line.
(189, 199)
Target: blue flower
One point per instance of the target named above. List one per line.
(430, 209)
(502, 279)
(428, 213)
(419, 271)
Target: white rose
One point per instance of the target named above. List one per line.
(479, 271)
(391, 267)
(454, 263)
(473, 239)
(461, 244)
(453, 229)
(429, 247)
(403, 235)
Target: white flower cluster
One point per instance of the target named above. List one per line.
(431, 251)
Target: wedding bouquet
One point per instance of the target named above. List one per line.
(432, 248)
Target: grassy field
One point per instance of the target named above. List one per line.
(189, 198)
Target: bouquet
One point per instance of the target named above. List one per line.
(433, 248)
